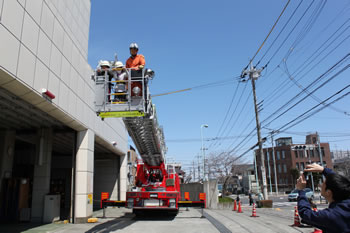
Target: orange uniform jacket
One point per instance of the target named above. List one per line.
(135, 62)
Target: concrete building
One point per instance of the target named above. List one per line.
(289, 156)
(341, 162)
(59, 145)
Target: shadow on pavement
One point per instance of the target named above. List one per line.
(113, 225)
(22, 227)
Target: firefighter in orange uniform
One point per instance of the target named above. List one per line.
(135, 60)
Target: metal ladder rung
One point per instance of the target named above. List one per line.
(121, 93)
(120, 102)
(119, 81)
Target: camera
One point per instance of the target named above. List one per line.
(306, 175)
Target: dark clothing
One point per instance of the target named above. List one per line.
(250, 199)
(102, 73)
(335, 218)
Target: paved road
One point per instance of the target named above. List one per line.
(277, 219)
(225, 221)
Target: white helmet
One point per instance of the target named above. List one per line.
(118, 64)
(104, 63)
(133, 46)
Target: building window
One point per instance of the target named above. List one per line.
(322, 150)
(302, 166)
(278, 155)
(312, 153)
(284, 168)
(279, 168)
(297, 166)
(301, 153)
(283, 154)
(296, 153)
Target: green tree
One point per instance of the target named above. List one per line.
(317, 177)
(295, 174)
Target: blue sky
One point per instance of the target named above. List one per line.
(192, 43)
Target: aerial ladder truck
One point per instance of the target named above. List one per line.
(157, 185)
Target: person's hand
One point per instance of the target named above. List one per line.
(141, 67)
(314, 168)
(301, 182)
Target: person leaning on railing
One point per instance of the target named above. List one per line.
(336, 190)
(136, 61)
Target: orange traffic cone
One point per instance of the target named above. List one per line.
(254, 211)
(239, 207)
(296, 217)
(234, 206)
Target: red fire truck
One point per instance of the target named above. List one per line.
(157, 186)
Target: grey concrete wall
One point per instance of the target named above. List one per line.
(211, 190)
(106, 179)
(7, 148)
(42, 173)
(225, 206)
(193, 188)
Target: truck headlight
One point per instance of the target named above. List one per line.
(130, 203)
(136, 90)
(172, 203)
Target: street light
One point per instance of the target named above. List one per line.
(203, 153)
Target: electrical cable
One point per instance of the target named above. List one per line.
(284, 26)
(317, 88)
(285, 7)
(310, 94)
(314, 82)
(227, 112)
(207, 85)
(297, 120)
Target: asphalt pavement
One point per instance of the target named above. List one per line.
(277, 219)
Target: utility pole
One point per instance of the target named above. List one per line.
(203, 150)
(256, 174)
(319, 149)
(254, 75)
(312, 178)
(268, 167)
(194, 172)
(319, 152)
(199, 169)
(274, 161)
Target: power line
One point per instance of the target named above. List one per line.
(310, 94)
(314, 82)
(285, 7)
(223, 122)
(285, 25)
(302, 117)
(207, 85)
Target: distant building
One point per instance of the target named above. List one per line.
(341, 162)
(289, 156)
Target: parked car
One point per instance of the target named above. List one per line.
(293, 196)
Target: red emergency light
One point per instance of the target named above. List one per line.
(48, 93)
